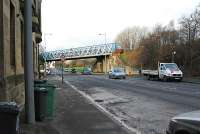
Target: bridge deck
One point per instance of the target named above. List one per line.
(81, 52)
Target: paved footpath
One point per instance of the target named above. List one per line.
(74, 115)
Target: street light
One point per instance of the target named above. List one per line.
(173, 55)
(105, 53)
(45, 49)
(28, 62)
(45, 43)
(62, 60)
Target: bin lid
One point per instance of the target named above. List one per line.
(50, 85)
(40, 81)
(9, 107)
(45, 85)
(41, 89)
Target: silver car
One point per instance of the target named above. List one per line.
(187, 123)
(117, 73)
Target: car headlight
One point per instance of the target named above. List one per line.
(181, 73)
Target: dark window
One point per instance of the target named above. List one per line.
(22, 43)
(12, 34)
(33, 57)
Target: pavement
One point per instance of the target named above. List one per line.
(74, 114)
(195, 80)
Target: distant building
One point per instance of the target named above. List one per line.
(12, 48)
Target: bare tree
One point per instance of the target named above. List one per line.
(130, 37)
(190, 31)
(147, 48)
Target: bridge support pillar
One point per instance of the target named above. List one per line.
(98, 66)
(102, 64)
(107, 63)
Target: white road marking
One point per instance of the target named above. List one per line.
(115, 118)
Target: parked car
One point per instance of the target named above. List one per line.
(42, 71)
(117, 73)
(73, 70)
(87, 71)
(165, 72)
(187, 123)
(48, 71)
(66, 69)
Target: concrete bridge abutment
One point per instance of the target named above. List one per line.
(103, 64)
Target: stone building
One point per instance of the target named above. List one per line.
(12, 48)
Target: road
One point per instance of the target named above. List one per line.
(144, 105)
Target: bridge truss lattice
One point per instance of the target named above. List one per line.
(81, 52)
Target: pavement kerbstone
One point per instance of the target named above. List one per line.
(192, 80)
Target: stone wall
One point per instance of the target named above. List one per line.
(1, 50)
(12, 49)
(35, 57)
(12, 73)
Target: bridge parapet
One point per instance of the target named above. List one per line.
(81, 52)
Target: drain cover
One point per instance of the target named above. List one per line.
(98, 100)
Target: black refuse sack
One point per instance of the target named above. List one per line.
(9, 118)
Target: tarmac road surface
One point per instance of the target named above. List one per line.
(144, 105)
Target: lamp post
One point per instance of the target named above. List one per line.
(62, 60)
(28, 66)
(46, 34)
(45, 49)
(105, 53)
(173, 55)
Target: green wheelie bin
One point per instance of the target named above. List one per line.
(50, 98)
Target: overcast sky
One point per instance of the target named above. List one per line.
(76, 23)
